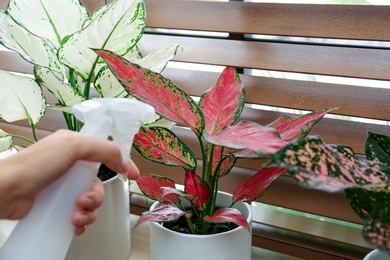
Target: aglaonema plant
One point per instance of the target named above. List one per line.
(222, 141)
(58, 38)
(332, 168)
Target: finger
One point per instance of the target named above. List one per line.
(92, 199)
(81, 219)
(131, 170)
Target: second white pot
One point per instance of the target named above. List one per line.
(109, 236)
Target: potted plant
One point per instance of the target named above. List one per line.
(57, 38)
(365, 180)
(222, 141)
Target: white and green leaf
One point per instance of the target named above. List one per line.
(66, 95)
(21, 98)
(117, 28)
(157, 61)
(32, 48)
(5, 141)
(53, 20)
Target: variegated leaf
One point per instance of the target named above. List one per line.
(248, 135)
(199, 191)
(257, 185)
(21, 98)
(378, 148)
(161, 145)
(32, 48)
(152, 88)
(117, 28)
(66, 95)
(165, 212)
(291, 127)
(223, 103)
(49, 19)
(314, 164)
(157, 61)
(376, 228)
(5, 141)
(108, 86)
(220, 161)
(151, 186)
(228, 215)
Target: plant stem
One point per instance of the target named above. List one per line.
(23, 138)
(204, 159)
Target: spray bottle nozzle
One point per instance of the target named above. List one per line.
(119, 118)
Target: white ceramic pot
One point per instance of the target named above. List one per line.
(235, 244)
(377, 255)
(109, 236)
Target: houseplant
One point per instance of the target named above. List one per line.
(365, 180)
(56, 37)
(222, 140)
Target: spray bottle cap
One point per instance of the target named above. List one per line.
(119, 118)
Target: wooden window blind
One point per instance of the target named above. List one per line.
(347, 45)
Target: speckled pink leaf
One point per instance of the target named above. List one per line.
(165, 212)
(257, 185)
(167, 99)
(292, 127)
(223, 103)
(248, 135)
(151, 187)
(160, 145)
(332, 168)
(198, 190)
(226, 215)
(220, 161)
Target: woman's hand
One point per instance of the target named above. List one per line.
(25, 174)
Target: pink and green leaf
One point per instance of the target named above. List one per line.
(332, 168)
(151, 186)
(199, 191)
(257, 185)
(160, 145)
(228, 215)
(223, 103)
(248, 135)
(293, 127)
(165, 212)
(378, 148)
(152, 88)
(220, 162)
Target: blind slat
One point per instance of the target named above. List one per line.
(323, 21)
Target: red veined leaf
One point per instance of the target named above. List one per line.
(152, 88)
(150, 186)
(257, 185)
(331, 168)
(292, 127)
(248, 135)
(223, 103)
(160, 145)
(165, 212)
(225, 215)
(225, 162)
(198, 190)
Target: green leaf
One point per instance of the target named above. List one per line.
(5, 141)
(32, 48)
(21, 98)
(53, 20)
(160, 145)
(378, 147)
(117, 28)
(66, 95)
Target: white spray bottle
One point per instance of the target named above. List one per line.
(47, 231)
